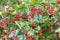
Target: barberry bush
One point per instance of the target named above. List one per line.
(30, 20)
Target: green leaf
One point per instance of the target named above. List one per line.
(53, 20)
(37, 29)
(12, 25)
(57, 30)
(15, 32)
(22, 37)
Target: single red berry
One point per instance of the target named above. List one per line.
(4, 23)
(28, 37)
(59, 11)
(47, 4)
(25, 16)
(26, 32)
(3, 39)
(11, 20)
(33, 9)
(8, 9)
(17, 15)
(51, 11)
(40, 32)
(40, 11)
(58, 1)
(33, 24)
(15, 37)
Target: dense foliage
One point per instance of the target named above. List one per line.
(30, 20)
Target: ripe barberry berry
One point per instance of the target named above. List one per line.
(26, 32)
(15, 37)
(4, 23)
(51, 11)
(33, 9)
(40, 32)
(17, 15)
(33, 24)
(40, 11)
(3, 39)
(25, 16)
(58, 1)
(11, 20)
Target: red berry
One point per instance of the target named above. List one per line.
(15, 37)
(51, 11)
(58, 1)
(40, 11)
(26, 32)
(17, 15)
(11, 20)
(40, 31)
(4, 23)
(33, 9)
(59, 11)
(47, 4)
(25, 16)
(28, 37)
(8, 9)
(49, 24)
(33, 24)
(3, 39)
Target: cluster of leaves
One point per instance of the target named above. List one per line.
(30, 20)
